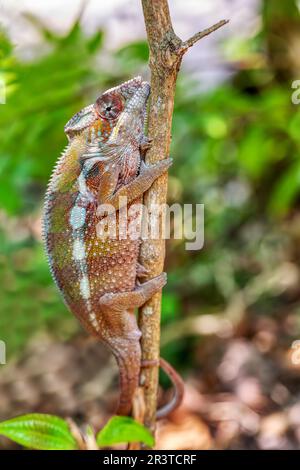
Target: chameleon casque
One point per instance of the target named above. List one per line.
(99, 277)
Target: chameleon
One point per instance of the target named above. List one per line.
(99, 276)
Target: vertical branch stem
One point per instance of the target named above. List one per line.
(166, 52)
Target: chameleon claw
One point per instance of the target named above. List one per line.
(141, 271)
(156, 169)
(145, 145)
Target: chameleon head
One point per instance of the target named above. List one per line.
(118, 115)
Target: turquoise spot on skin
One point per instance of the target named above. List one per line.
(77, 217)
(85, 287)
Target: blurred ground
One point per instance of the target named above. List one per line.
(239, 397)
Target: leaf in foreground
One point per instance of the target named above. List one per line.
(39, 431)
(121, 429)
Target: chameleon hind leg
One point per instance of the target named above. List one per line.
(119, 330)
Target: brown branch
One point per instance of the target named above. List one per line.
(192, 40)
(166, 52)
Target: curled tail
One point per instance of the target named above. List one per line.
(128, 357)
(177, 382)
(178, 390)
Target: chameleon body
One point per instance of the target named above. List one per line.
(98, 276)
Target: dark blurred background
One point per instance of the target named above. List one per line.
(231, 312)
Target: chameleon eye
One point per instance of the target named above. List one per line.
(109, 106)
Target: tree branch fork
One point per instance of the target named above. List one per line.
(171, 49)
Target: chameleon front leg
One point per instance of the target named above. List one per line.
(120, 332)
(131, 191)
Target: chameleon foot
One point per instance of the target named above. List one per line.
(141, 271)
(120, 301)
(145, 145)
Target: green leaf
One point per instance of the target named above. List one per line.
(120, 429)
(137, 51)
(286, 190)
(39, 431)
(170, 309)
(96, 41)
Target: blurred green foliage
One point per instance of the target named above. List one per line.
(236, 149)
(49, 432)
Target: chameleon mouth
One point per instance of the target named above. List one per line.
(146, 116)
(147, 89)
(82, 119)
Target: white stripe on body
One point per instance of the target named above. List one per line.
(77, 221)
